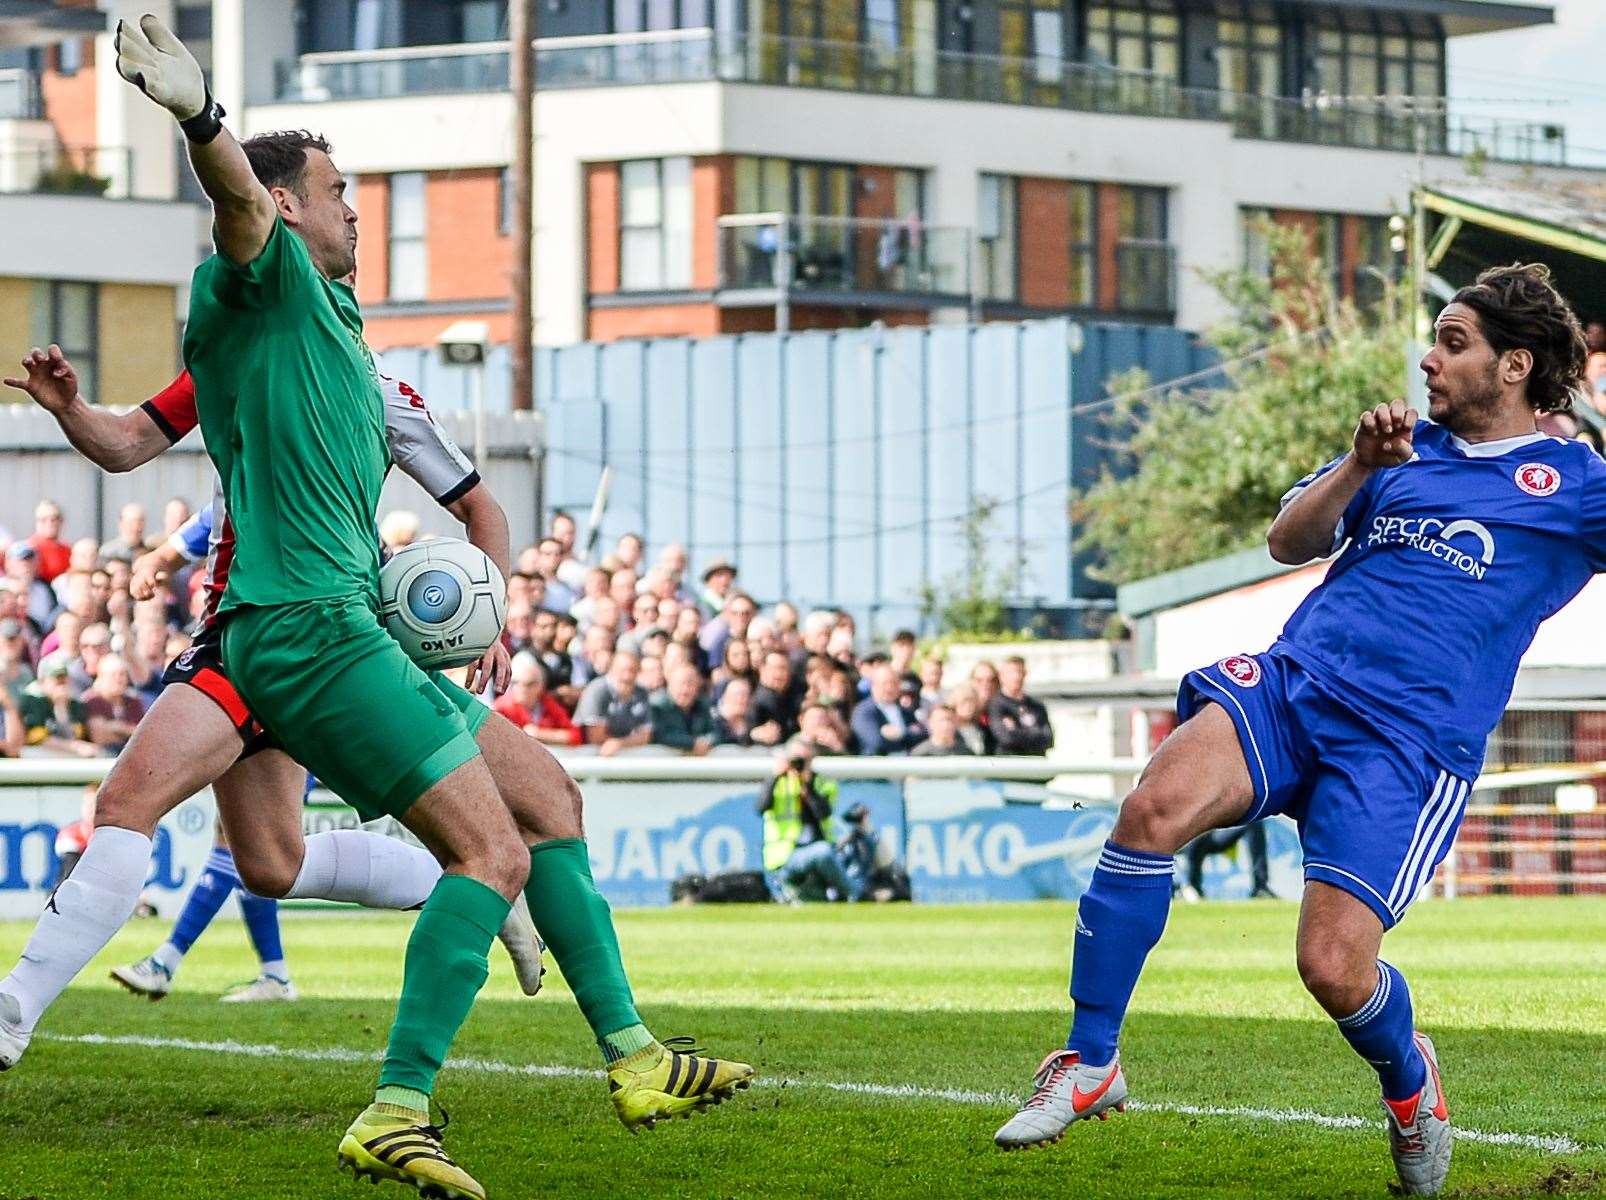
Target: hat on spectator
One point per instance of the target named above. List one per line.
(10, 628)
(717, 566)
(54, 666)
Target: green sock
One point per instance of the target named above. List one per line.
(575, 922)
(445, 970)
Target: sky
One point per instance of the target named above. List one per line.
(1541, 75)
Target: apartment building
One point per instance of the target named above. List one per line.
(708, 166)
(96, 247)
(722, 165)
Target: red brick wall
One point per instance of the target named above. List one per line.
(652, 320)
(602, 228)
(381, 333)
(713, 188)
(1351, 254)
(468, 258)
(1044, 240)
(373, 220)
(70, 99)
(1108, 231)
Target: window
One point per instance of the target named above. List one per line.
(1257, 245)
(995, 237)
(1136, 35)
(1031, 41)
(1143, 256)
(505, 209)
(1249, 63)
(409, 258)
(69, 57)
(763, 185)
(1084, 245)
(655, 224)
(482, 20)
(1376, 61)
(66, 314)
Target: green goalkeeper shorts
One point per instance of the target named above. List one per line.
(342, 698)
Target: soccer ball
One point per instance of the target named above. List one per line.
(444, 601)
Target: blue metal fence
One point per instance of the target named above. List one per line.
(839, 467)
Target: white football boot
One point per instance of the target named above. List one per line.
(1420, 1134)
(524, 946)
(13, 1039)
(263, 987)
(1066, 1090)
(147, 978)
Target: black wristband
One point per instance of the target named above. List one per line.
(206, 124)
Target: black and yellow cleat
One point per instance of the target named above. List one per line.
(387, 1142)
(677, 1083)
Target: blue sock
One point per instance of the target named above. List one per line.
(1118, 922)
(206, 897)
(262, 923)
(1383, 1032)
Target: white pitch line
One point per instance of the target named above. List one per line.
(1552, 1143)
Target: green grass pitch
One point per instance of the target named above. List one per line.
(838, 1008)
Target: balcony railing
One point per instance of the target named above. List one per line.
(700, 55)
(68, 170)
(19, 95)
(776, 253)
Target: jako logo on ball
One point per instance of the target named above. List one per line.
(444, 601)
(1241, 669)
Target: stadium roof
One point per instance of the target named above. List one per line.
(43, 23)
(1460, 17)
(1482, 221)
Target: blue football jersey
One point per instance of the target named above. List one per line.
(1453, 560)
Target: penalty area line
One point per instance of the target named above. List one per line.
(1551, 1143)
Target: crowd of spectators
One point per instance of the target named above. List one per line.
(80, 659)
(631, 653)
(623, 654)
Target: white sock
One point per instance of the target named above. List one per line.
(168, 956)
(365, 868)
(81, 918)
(278, 969)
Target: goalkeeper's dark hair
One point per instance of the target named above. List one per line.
(279, 159)
(1519, 308)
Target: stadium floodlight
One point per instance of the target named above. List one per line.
(464, 343)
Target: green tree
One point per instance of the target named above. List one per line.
(1200, 473)
(972, 603)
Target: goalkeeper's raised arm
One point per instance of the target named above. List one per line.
(157, 63)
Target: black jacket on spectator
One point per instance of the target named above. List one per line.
(724, 735)
(868, 720)
(1021, 726)
(977, 739)
(769, 705)
(679, 728)
(557, 667)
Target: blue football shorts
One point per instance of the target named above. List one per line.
(1376, 813)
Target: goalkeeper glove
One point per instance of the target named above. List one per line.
(158, 64)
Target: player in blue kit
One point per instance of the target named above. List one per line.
(1366, 720)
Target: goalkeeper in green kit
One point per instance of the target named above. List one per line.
(292, 415)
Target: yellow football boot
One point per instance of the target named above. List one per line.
(387, 1142)
(676, 1084)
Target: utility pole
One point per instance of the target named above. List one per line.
(521, 77)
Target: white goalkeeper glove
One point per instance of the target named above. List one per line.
(157, 63)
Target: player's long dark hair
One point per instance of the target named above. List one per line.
(279, 159)
(1520, 309)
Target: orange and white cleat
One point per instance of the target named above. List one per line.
(1065, 1090)
(1420, 1134)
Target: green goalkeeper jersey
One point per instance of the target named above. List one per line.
(291, 410)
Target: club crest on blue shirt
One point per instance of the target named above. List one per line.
(1538, 479)
(1240, 669)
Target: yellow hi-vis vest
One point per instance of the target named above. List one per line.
(783, 823)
